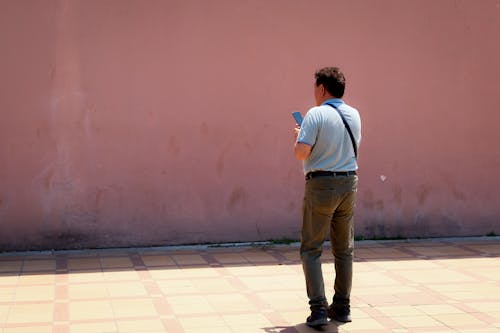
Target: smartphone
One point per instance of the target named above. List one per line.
(298, 117)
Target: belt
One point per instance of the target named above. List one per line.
(314, 174)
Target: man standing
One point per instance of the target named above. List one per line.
(327, 142)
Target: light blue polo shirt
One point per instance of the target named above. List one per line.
(323, 130)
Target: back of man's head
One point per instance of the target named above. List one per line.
(332, 79)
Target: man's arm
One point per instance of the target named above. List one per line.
(302, 151)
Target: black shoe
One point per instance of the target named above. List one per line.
(318, 318)
(340, 313)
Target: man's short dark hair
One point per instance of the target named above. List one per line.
(332, 79)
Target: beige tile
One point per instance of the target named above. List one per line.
(87, 291)
(258, 257)
(490, 249)
(39, 265)
(380, 253)
(494, 314)
(4, 311)
(466, 263)
(116, 262)
(435, 276)
(183, 273)
(296, 316)
(169, 273)
(282, 270)
(381, 290)
(228, 303)
(283, 300)
(82, 277)
(358, 313)
(248, 270)
(440, 251)
(11, 266)
(366, 324)
(417, 321)
(202, 322)
(84, 264)
(129, 308)
(140, 326)
(259, 283)
(468, 291)
(406, 265)
(240, 320)
(432, 330)
(194, 304)
(399, 311)
(210, 330)
(212, 285)
(7, 294)
(7, 279)
(120, 275)
(373, 279)
(189, 259)
(461, 320)
(438, 309)
(252, 329)
(35, 293)
(230, 258)
(479, 330)
(126, 289)
(111, 297)
(486, 307)
(26, 313)
(419, 298)
(36, 279)
(103, 327)
(176, 287)
(29, 329)
(291, 255)
(90, 310)
(488, 273)
(453, 287)
(157, 260)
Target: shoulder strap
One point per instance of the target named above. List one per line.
(348, 129)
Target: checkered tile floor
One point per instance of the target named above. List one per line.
(446, 285)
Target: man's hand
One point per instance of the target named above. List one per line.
(296, 131)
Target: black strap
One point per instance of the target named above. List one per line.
(348, 129)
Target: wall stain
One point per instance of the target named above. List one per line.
(237, 198)
(370, 202)
(221, 160)
(174, 146)
(219, 166)
(422, 193)
(48, 179)
(459, 195)
(398, 194)
(204, 129)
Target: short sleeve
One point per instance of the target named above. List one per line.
(308, 130)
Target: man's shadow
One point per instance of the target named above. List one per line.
(332, 327)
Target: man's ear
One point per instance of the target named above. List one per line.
(322, 90)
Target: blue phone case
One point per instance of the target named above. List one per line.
(298, 117)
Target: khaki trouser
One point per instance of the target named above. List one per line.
(328, 207)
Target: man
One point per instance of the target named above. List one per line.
(328, 153)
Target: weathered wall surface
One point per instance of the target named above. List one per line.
(166, 122)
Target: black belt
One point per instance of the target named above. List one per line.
(314, 174)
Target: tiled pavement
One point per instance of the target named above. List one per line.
(445, 285)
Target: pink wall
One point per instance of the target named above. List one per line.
(167, 122)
